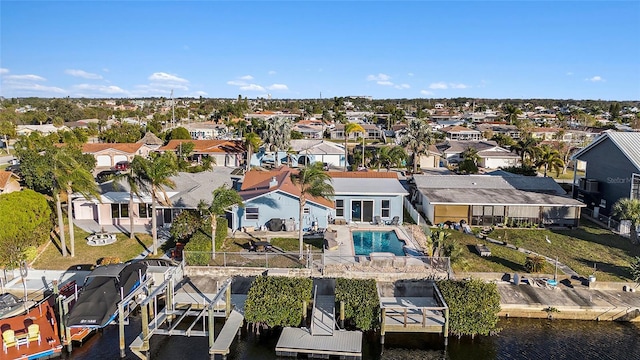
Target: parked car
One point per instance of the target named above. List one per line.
(122, 165)
(106, 175)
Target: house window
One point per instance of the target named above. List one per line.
(119, 211)
(386, 208)
(635, 186)
(144, 211)
(252, 213)
(339, 208)
(305, 210)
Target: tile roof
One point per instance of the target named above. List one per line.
(257, 183)
(130, 148)
(207, 146)
(5, 176)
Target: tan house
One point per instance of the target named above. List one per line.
(9, 182)
(109, 154)
(225, 152)
(457, 132)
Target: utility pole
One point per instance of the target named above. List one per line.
(173, 110)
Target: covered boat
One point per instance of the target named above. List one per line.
(11, 305)
(103, 288)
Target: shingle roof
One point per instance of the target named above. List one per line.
(150, 139)
(5, 176)
(458, 128)
(317, 147)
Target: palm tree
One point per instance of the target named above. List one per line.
(348, 129)
(526, 146)
(277, 135)
(471, 154)
(389, 156)
(251, 142)
(70, 176)
(223, 198)
(511, 113)
(155, 174)
(417, 140)
(312, 181)
(629, 209)
(132, 179)
(549, 158)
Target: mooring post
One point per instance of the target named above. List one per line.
(212, 329)
(227, 300)
(121, 329)
(342, 314)
(145, 326)
(63, 327)
(304, 311)
(446, 327)
(382, 329)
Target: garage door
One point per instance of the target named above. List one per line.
(118, 158)
(104, 160)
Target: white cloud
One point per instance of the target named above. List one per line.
(458, 86)
(379, 77)
(278, 87)
(252, 87)
(384, 83)
(82, 74)
(402, 86)
(105, 70)
(236, 83)
(438, 85)
(28, 77)
(246, 77)
(410, 74)
(426, 92)
(595, 79)
(4, 71)
(271, 72)
(36, 87)
(200, 93)
(102, 89)
(164, 77)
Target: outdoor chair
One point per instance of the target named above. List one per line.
(377, 220)
(395, 221)
(8, 339)
(34, 333)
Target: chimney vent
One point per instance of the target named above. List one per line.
(273, 182)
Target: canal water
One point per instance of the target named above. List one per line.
(519, 339)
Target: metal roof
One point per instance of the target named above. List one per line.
(627, 142)
(496, 197)
(375, 186)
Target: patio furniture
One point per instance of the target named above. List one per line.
(482, 250)
(395, 221)
(377, 220)
(33, 332)
(9, 339)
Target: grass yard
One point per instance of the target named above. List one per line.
(579, 249)
(124, 249)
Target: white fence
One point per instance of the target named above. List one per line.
(415, 214)
(623, 228)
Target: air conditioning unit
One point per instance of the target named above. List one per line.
(591, 185)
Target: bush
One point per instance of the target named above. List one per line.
(522, 170)
(534, 264)
(277, 301)
(184, 225)
(198, 249)
(473, 306)
(361, 302)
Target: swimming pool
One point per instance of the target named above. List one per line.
(366, 242)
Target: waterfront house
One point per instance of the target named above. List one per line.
(113, 209)
(370, 132)
(461, 133)
(359, 197)
(612, 171)
(485, 200)
(302, 152)
(224, 152)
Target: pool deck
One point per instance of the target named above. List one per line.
(345, 251)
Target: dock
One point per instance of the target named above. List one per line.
(344, 344)
(413, 306)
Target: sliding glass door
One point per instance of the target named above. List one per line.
(362, 210)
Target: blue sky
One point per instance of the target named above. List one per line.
(301, 49)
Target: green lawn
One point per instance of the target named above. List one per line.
(124, 249)
(579, 249)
